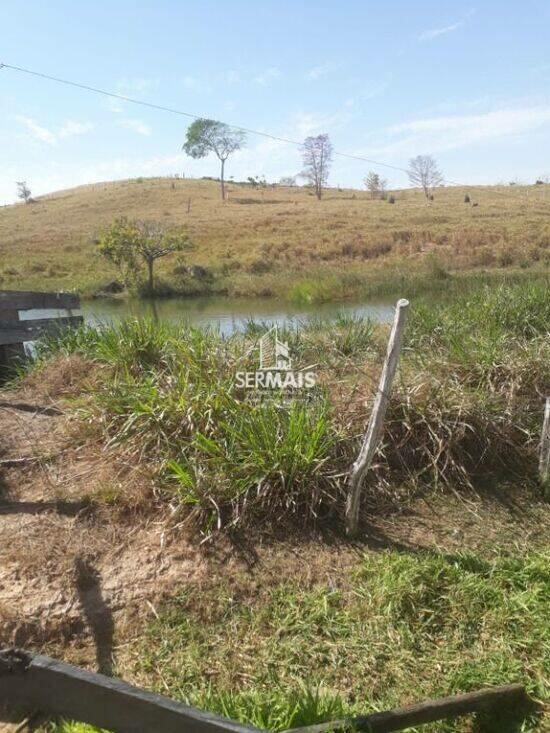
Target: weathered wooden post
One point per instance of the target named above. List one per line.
(374, 428)
(544, 462)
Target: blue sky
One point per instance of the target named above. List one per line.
(468, 84)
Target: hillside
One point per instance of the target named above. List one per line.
(268, 241)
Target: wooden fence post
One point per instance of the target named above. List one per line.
(374, 429)
(544, 462)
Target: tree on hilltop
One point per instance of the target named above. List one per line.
(423, 172)
(317, 157)
(23, 191)
(210, 136)
(375, 184)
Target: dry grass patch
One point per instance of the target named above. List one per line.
(49, 244)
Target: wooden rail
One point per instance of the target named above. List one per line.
(39, 684)
(15, 331)
(429, 711)
(34, 683)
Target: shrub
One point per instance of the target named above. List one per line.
(506, 257)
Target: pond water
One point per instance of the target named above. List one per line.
(226, 314)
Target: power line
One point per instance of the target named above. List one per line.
(190, 115)
(180, 112)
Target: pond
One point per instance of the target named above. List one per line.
(223, 313)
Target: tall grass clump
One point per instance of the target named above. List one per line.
(266, 456)
(478, 368)
(169, 399)
(465, 409)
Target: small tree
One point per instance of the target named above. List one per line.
(317, 158)
(423, 172)
(287, 181)
(209, 136)
(128, 244)
(376, 185)
(23, 191)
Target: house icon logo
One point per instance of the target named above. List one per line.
(274, 354)
(275, 372)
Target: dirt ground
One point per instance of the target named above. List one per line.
(80, 578)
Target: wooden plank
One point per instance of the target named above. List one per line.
(374, 428)
(429, 711)
(15, 332)
(27, 300)
(10, 356)
(9, 315)
(37, 683)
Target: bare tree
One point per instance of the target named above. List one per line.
(423, 172)
(376, 185)
(317, 158)
(23, 191)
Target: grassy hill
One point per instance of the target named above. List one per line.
(277, 241)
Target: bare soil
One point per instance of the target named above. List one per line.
(81, 575)
(70, 563)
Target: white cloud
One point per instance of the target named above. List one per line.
(191, 82)
(133, 87)
(432, 33)
(231, 77)
(136, 125)
(303, 124)
(268, 76)
(36, 131)
(196, 84)
(438, 134)
(115, 105)
(44, 135)
(318, 71)
(70, 128)
(435, 32)
(368, 90)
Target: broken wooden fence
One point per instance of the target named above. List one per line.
(34, 683)
(16, 331)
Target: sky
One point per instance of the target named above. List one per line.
(468, 84)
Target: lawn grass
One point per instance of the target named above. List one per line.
(400, 627)
(279, 241)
